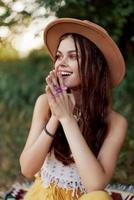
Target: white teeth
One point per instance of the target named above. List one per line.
(66, 73)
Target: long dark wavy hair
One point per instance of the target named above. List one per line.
(96, 98)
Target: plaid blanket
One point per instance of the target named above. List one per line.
(117, 192)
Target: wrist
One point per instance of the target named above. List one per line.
(68, 120)
(52, 125)
(54, 120)
(48, 133)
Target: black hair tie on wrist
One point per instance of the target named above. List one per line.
(46, 131)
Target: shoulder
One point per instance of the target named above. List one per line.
(42, 101)
(117, 131)
(116, 118)
(117, 124)
(41, 105)
(109, 152)
(42, 98)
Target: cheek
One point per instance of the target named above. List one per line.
(76, 68)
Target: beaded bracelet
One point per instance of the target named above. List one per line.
(46, 131)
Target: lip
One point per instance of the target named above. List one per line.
(65, 77)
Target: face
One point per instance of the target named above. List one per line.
(66, 62)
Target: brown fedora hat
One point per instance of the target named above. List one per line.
(98, 35)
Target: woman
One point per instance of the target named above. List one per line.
(76, 136)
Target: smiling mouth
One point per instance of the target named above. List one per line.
(65, 73)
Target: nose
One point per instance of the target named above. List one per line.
(63, 65)
(64, 61)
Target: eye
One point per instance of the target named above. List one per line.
(73, 56)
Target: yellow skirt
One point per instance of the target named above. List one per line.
(53, 192)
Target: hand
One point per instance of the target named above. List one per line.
(61, 104)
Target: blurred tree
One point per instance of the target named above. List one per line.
(21, 82)
(15, 12)
(7, 52)
(16, 15)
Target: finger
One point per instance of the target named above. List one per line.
(50, 84)
(63, 86)
(51, 98)
(61, 82)
(49, 93)
(54, 86)
(54, 78)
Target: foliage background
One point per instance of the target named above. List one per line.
(22, 80)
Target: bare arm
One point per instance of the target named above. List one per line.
(96, 173)
(38, 143)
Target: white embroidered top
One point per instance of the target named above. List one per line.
(67, 177)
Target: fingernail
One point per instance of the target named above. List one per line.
(64, 88)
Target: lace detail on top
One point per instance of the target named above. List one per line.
(67, 177)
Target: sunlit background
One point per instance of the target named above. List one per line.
(25, 38)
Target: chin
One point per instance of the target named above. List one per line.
(73, 87)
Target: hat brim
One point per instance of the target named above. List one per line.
(96, 34)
